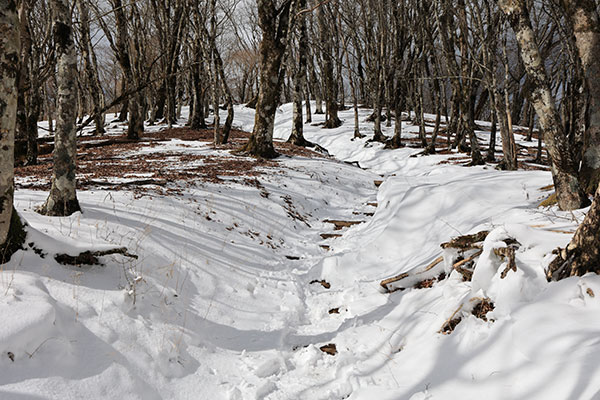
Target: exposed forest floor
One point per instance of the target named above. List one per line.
(259, 279)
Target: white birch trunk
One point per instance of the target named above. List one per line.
(62, 199)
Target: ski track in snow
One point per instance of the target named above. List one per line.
(214, 308)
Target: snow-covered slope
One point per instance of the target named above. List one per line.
(220, 304)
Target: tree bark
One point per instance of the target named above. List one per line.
(30, 100)
(297, 136)
(136, 123)
(332, 120)
(95, 91)
(586, 26)
(582, 255)
(274, 23)
(62, 200)
(11, 230)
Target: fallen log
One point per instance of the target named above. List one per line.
(466, 260)
(384, 283)
(466, 241)
(330, 235)
(449, 325)
(339, 224)
(91, 257)
(461, 266)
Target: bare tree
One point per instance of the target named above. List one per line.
(326, 39)
(123, 47)
(62, 199)
(274, 21)
(90, 66)
(297, 136)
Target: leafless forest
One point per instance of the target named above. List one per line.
(512, 62)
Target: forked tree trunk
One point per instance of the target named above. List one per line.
(11, 230)
(569, 192)
(274, 23)
(220, 79)
(62, 199)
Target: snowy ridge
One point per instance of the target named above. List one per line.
(220, 303)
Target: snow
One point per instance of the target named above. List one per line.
(220, 304)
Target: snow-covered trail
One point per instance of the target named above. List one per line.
(220, 303)
(220, 288)
(389, 345)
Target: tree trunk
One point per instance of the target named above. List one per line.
(124, 111)
(491, 153)
(332, 120)
(509, 147)
(220, 71)
(582, 255)
(569, 192)
(11, 230)
(161, 100)
(198, 116)
(91, 73)
(316, 87)
(30, 100)
(136, 123)
(297, 136)
(274, 23)
(216, 94)
(62, 200)
(34, 101)
(586, 27)
(307, 105)
(357, 134)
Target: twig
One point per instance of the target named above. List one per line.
(450, 319)
(466, 260)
